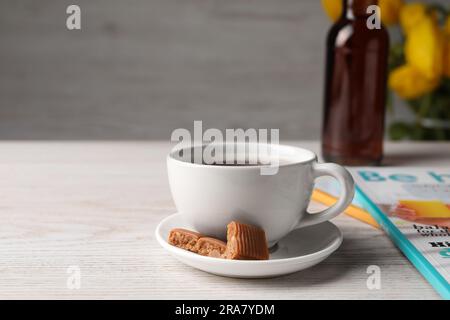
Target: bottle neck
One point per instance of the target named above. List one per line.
(357, 9)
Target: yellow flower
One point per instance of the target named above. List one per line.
(424, 48)
(447, 48)
(333, 8)
(409, 83)
(447, 26)
(447, 58)
(411, 14)
(390, 11)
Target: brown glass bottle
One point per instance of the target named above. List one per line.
(355, 88)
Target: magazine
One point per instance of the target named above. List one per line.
(413, 206)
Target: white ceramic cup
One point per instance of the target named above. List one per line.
(210, 196)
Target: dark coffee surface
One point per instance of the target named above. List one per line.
(234, 164)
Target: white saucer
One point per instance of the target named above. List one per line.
(300, 249)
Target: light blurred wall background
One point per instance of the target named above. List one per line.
(140, 68)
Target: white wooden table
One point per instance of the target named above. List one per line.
(95, 205)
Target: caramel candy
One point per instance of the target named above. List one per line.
(184, 239)
(246, 242)
(211, 247)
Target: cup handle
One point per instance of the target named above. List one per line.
(347, 185)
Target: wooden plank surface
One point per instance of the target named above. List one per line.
(95, 205)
